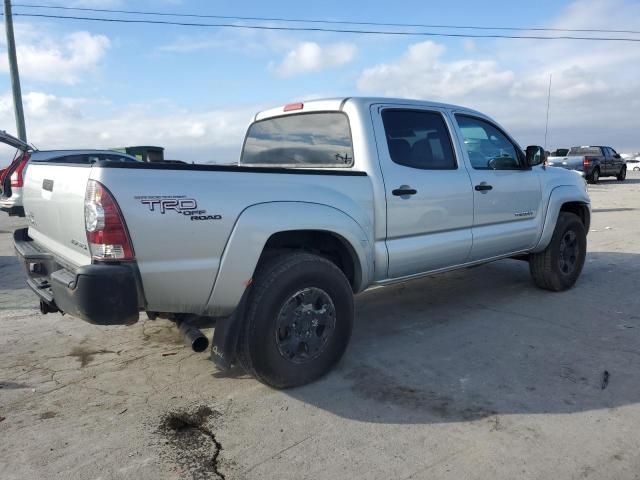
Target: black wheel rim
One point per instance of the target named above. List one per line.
(568, 252)
(305, 322)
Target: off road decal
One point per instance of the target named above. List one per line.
(176, 204)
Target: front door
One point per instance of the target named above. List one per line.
(608, 162)
(614, 162)
(507, 195)
(428, 191)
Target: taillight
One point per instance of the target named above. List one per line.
(106, 232)
(586, 162)
(17, 177)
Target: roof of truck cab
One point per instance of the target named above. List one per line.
(337, 103)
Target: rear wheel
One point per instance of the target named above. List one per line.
(622, 175)
(558, 267)
(595, 176)
(298, 322)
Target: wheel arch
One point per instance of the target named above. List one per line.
(580, 209)
(328, 244)
(565, 198)
(265, 229)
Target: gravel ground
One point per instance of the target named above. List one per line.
(474, 374)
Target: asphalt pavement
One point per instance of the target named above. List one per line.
(475, 374)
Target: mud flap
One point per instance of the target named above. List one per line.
(225, 337)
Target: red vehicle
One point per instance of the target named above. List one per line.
(12, 177)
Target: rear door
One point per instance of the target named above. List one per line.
(608, 161)
(428, 190)
(506, 195)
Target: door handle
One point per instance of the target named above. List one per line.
(483, 187)
(404, 190)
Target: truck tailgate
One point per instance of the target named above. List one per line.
(54, 206)
(573, 162)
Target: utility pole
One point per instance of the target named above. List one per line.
(13, 69)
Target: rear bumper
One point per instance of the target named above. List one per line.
(101, 294)
(12, 205)
(13, 211)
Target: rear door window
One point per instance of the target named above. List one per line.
(418, 139)
(301, 140)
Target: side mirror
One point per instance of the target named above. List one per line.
(535, 155)
(617, 155)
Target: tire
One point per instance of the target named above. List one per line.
(594, 177)
(284, 354)
(550, 269)
(622, 175)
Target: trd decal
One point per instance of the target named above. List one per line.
(178, 204)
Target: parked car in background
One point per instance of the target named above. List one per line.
(592, 162)
(12, 178)
(633, 164)
(560, 152)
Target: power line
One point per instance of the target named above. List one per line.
(326, 22)
(331, 30)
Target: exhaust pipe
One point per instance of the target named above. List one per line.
(193, 337)
(48, 307)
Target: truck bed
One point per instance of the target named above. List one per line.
(194, 207)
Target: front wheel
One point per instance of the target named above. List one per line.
(622, 175)
(558, 267)
(298, 322)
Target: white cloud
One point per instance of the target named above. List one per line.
(421, 73)
(469, 45)
(312, 57)
(247, 42)
(595, 85)
(67, 59)
(68, 122)
(41, 105)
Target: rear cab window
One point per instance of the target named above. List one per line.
(585, 151)
(315, 139)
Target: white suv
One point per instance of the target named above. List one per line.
(633, 164)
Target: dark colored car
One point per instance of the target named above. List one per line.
(12, 178)
(592, 162)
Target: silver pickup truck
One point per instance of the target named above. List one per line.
(329, 198)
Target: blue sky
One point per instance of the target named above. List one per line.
(193, 90)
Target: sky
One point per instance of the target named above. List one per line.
(194, 90)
